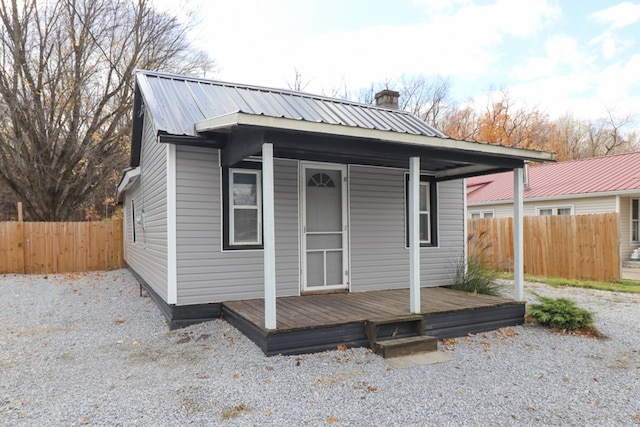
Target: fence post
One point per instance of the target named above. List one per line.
(23, 244)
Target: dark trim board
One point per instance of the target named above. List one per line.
(180, 316)
(460, 323)
(310, 340)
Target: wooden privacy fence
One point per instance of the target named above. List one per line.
(568, 246)
(60, 247)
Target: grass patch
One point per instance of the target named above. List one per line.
(626, 286)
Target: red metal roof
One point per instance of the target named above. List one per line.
(585, 176)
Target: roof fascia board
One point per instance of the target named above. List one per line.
(465, 171)
(243, 119)
(217, 142)
(561, 197)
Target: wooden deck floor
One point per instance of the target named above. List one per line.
(318, 322)
(302, 312)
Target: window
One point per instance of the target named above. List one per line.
(481, 214)
(555, 210)
(133, 221)
(242, 207)
(427, 211)
(635, 220)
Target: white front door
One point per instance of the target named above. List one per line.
(323, 189)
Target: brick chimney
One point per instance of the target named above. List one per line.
(387, 99)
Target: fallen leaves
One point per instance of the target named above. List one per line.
(449, 343)
(234, 412)
(185, 339)
(332, 419)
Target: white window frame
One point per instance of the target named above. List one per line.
(482, 214)
(554, 209)
(427, 212)
(432, 209)
(257, 207)
(634, 221)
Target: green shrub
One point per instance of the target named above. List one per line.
(476, 278)
(561, 313)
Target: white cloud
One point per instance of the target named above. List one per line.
(620, 80)
(618, 16)
(561, 51)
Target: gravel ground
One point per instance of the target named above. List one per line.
(88, 350)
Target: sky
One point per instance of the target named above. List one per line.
(580, 57)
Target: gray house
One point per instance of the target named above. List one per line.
(237, 192)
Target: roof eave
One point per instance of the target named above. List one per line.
(129, 177)
(231, 120)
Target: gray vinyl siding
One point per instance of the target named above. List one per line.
(148, 256)
(379, 257)
(205, 272)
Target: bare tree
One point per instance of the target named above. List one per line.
(66, 86)
(298, 83)
(426, 98)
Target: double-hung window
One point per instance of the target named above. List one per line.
(427, 211)
(635, 220)
(481, 214)
(555, 210)
(243, 208)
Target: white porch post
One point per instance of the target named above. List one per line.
(518, 234)
(268, 216)
(414, 234)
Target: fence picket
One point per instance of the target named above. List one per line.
(60, 247)
(573, 247)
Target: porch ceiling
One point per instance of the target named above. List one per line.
(444, 157)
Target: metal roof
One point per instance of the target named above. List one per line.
(178, 102)
(593, 176)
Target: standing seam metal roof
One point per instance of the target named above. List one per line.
(178, 102)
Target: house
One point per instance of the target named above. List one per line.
(585, 186)
(237, 192)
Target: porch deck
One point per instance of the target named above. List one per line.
(314, 323)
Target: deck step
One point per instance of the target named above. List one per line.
(406, 346)
(393, 327)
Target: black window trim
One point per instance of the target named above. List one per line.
(226, 245)
(433, 210)
(133, 221)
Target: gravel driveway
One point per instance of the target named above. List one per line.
(88, 350)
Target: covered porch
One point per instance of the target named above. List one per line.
(441, 158)
(315, 323)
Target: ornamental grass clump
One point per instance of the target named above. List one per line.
(560, 313)
(475, 277)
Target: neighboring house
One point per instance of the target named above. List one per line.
(238, 192)
(586, 186)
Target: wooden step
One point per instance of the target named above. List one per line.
(406, 346)
(393, 327)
